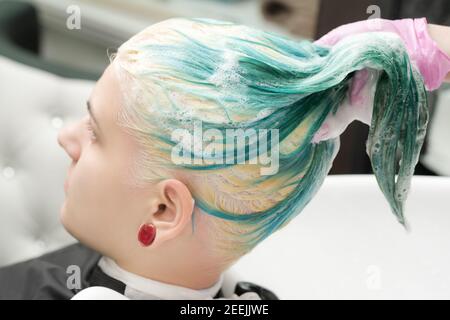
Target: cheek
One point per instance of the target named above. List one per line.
(96, 199)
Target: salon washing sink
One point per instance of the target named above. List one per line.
(346, 244)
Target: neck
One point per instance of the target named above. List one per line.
(177, 273)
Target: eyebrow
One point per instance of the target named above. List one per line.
(89, 108)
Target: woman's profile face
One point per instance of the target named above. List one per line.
(100, 206)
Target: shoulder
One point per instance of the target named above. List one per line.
(244, 290)
(243, 287)
(46, 277)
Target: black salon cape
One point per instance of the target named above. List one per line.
(46, 277)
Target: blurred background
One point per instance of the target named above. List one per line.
(71, 37)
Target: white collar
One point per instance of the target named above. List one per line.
(141, 288)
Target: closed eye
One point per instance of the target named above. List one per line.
(91, 130)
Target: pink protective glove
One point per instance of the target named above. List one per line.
(424, 53)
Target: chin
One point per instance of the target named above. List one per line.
(63, 214)
(64, 218)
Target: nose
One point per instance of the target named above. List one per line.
(69, 140)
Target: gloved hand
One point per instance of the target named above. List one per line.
(432, 62)
(424, 53)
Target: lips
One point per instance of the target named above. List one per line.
(66, 183)
(69, 173)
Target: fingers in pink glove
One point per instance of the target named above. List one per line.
(358, 83)
(434, 64)
(357, 106)
(424, 53)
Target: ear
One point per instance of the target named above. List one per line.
(172, 210)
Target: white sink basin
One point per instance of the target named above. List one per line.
(347, 244)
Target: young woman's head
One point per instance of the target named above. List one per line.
(204, 129)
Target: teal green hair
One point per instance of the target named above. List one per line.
(232, 76)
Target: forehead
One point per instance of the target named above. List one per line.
(105, 98)
(106, 88)
(106, 101)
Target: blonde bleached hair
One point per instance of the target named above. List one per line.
(226, 75)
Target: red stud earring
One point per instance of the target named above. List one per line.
(147, 233)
